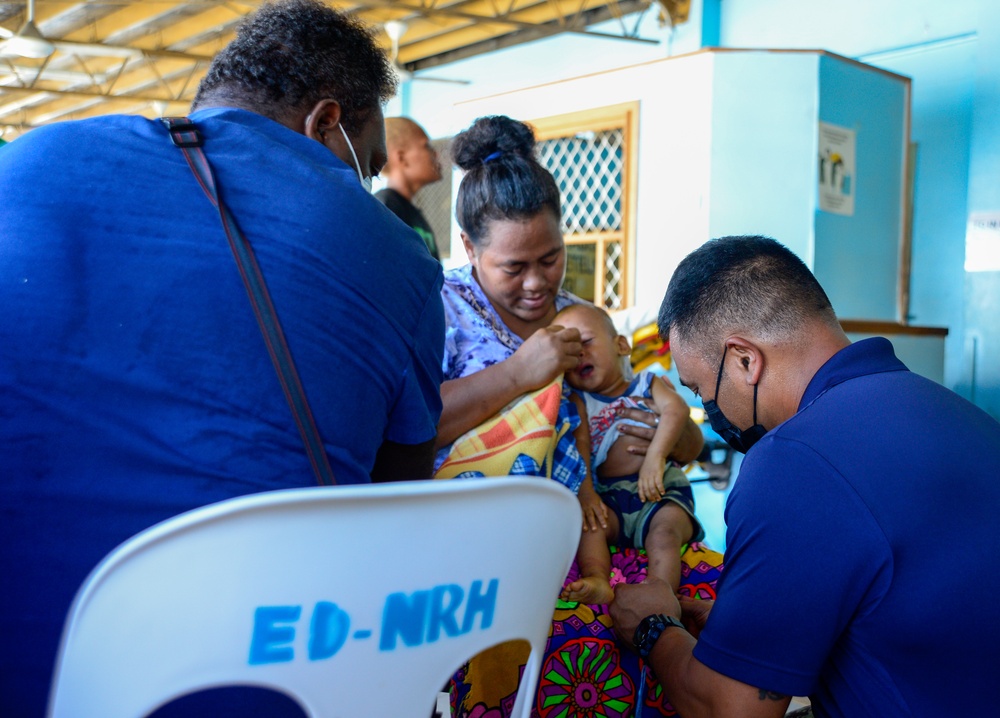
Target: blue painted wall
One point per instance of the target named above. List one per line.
(943, 92)
(951, 51)
(857, 256)
(981, 373)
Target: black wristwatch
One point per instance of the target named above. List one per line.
(649, 630)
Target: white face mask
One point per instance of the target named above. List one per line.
(366, 182)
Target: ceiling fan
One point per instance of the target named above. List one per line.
(28, 41)
(395, 29)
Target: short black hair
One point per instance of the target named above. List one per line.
(290, 54)
(739, 284)
(503, 179)
(609, 323)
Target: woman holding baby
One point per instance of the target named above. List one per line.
(500, 347)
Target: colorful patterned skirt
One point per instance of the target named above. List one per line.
(585, 674)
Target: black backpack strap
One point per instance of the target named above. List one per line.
(188, 139)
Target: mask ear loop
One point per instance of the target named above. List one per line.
(350, 146)
(718, 378)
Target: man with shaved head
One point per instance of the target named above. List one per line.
(412, 164)
(861, 531)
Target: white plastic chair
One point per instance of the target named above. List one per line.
(355, 601)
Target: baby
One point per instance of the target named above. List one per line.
(650, 497)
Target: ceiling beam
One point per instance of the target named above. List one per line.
(85, 94)
(540, 31)
(155, 51)
(98, 49)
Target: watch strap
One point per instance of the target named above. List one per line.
(649, 631)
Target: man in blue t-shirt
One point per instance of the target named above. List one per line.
(861, 529)
(134, 380)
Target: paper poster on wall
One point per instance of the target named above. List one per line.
(982, 242)
(836, 169)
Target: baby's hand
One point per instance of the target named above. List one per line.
(651, 479)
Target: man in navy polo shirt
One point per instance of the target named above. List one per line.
(861, 528)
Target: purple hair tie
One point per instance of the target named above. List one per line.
(493, 156)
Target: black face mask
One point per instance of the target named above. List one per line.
(740, 439)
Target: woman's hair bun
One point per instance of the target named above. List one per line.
(492, 135)
(503, 179)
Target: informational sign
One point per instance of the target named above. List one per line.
(982, 242)
(836, 169)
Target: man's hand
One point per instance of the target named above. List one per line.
(694, 614)
(693, 687)
(633, 602)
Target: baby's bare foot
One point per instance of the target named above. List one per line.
(588, 589)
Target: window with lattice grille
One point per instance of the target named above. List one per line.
(591, 155)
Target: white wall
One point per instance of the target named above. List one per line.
(675, 165)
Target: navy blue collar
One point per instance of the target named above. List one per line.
(868, 356)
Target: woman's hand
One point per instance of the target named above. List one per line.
(471, 400)
(694, 613)
(637, 438)
(546, 354)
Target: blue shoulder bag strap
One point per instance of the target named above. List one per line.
(185, 135)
